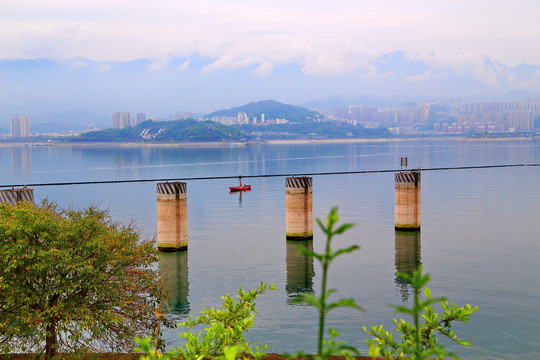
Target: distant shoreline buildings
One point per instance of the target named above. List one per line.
(430, 117)
(243, 118)
(440, 118)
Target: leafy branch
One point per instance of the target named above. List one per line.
(419, 340)
(327, 348)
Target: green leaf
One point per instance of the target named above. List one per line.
(343, 228)
(344, 303)
(304, 251)
(344, 251)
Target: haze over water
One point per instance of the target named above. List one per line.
(479, 238)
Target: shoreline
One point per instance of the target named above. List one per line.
(263, 142)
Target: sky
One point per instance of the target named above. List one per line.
(281, 49)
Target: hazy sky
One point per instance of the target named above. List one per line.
(323, 38)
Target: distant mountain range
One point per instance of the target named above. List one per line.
(197, 84)
(271, 110)
(57, 121)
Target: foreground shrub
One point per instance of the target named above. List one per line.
(419, 340)
(226, 328)
(73, 281)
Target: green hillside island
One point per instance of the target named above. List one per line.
(243, 123)
(272, 111)
(209, 131)
(269, 119)
(178, 130)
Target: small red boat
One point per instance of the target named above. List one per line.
(240, 187)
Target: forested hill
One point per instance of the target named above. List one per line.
(271, 110)
(179, 130)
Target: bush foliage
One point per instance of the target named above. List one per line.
(73, 281)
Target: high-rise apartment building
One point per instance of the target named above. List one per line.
(122, 120)
(117, 121)
(455, 105)
(20, 126)
(519, 120)
(129, 120)
(141, 117)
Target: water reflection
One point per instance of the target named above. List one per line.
(173, 273)
(239, 193)
(408, 257)
(21, 159)
(300, 270)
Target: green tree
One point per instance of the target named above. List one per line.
(73, 280)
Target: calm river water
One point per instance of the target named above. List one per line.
(480, 237)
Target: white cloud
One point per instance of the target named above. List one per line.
(428, 75)
(185, 65)
(374, 74)
(79, 64)
(335, 37)
(104, 67)
(227, 61)
(513, 80)
(464, 63)
(348, 58)
(264, 69)
(158, 65)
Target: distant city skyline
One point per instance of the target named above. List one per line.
(425, 118)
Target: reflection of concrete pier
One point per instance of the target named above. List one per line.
(173, 273)
(300, 270)
(408, 257)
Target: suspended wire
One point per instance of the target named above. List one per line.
(263, 176)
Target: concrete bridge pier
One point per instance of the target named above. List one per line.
(407, 200)
(14, 196)
(172, 216)
(299, 208)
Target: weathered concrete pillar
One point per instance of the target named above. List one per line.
(174, 277)
(408, 258)
(13, 196)
(300, 271)
(172, 216)
(407, 200)
(299, 208)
